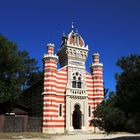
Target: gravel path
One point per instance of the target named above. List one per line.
(99, 137)
(118, 136)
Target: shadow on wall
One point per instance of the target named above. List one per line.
(121, 138)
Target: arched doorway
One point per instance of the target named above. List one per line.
(77, 119)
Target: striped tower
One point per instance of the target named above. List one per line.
(97, 75)
(49, 94)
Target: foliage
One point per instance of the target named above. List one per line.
(128, 85)
(16, 68)
(121, 110)
(133, 123)
(108, 117)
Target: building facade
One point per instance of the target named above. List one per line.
(71, 93)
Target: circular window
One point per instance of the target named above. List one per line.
(74, 77)
(76, 73)
(79, 78)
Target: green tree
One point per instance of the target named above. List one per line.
(128, 91)
(15, 69)
(29, 71)
(128, 85)
(121, 110)
(109, 117)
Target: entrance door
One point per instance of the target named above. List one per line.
(77, 117)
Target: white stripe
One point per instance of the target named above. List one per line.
(49, 88)
(62, 72)
(99, 88)
(49, 78)
(50, 64)
(98, 84)
(51, 83)
(90, 101)
(98, 72)
(61, 85)
(89, 84)
(50, 113)
(97, 80)
(50, 92)
(98, 102)
(54, 118)
(64, 81)
(50, 107)
(54, 98)
(61, 90)
(52, 103)
(54, 123)
(89, 88)
(50, 74)
(89, 76)
(89, 80)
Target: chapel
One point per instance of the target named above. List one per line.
(71, 93)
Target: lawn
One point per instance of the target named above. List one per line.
(21, 135)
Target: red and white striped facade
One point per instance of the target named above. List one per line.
(70, 85)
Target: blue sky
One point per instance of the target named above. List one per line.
(110, 27)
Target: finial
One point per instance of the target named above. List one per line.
(76, 30)
(50, 45)
(63, 33)
(72, 26)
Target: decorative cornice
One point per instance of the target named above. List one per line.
(50, 56)
(96, 64)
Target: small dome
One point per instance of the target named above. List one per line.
(75, 39)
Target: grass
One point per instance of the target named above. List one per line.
(20, 135)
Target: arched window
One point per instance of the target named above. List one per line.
(60, 110)
(76, 80)
(76, 39)
(89, 111)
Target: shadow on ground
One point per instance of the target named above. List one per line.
(121, 138)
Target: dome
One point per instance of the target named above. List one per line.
(75, 39)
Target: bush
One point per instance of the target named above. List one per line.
(133, 123)
(114, 120)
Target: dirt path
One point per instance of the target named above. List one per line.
(119, 136)
(78, 136)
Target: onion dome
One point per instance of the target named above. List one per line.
(74, 38)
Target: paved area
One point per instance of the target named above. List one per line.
(119, 136)
(98, 137)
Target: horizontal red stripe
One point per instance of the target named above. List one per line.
(50, 80)
(50, 105)
(61, 78)
(96, 86)
(50, 115)
(96, 94)
(61, 74)
(52, 95)
(47, 126)
(60, 87)
(48, 61)
(49, 67)
(56, 101)
(54, 121)
(50, 110)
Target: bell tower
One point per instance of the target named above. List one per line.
(73, 51)
(73, 54)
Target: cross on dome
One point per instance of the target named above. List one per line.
(72, 26)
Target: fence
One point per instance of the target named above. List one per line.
(20, 123)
